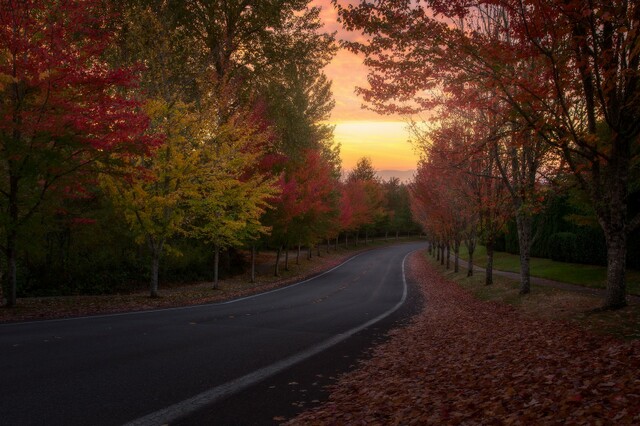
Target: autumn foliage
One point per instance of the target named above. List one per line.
(465, 361)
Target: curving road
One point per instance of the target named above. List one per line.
(155, 367)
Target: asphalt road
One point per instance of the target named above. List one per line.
(167, 366)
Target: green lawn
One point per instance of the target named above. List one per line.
(574, 273)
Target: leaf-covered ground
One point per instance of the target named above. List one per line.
(465, 361)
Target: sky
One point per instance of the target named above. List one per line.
(362, 132)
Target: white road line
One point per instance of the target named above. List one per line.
(188, 406)
(179, 308)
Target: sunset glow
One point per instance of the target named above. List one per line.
(362, 132)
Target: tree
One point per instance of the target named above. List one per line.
(64, 112)
(580, 97)
(230, 195)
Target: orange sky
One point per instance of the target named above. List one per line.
(359, 131)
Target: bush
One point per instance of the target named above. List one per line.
(563, 246)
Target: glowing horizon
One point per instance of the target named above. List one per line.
(384, 142)
(361, 132)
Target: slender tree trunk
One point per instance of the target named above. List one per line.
(357, 238)
(156, 251)
(298, 255)
(253, 263)
(318, 249)
(328, 244)
(277, 270)
(337, 241)
(524, 224)
(346, 240)
(366, 237)
(12, 273)
(448, 251)
(456, 252)
(437, 250)
(397, 233)
(286, 257)
(12, 238)
(489, 269)
(216, 263)
(309, 252)
(441, 254)
(471, 247)
(155, 272)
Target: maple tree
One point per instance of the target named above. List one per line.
(63, 110)
(568, 69)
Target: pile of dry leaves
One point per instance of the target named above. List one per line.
(464, 361)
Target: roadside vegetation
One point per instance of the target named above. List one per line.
(178, 294)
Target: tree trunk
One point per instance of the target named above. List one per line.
(357, 238)
(12, 273)
(318, 249)
(286, 257)
(437, 250)
(328, 245)
(616, 294)
(276, 270)
(441, 254)
(366, 237)
(216, 263)
(471, 247)
(456, 252)
(346, 240)
(397, 233)
(309, 252)
(253, 264)
(489, 269)
(448, 251)
(156, 251)
(337, 241)
(298, 255)
(386, 235)
(524, 223)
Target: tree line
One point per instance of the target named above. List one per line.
(170, 133)
(528, 98)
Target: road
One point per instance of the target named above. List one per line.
(156, 367)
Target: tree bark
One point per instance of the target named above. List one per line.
(286, 257)
(471, 247)
(489, 269)
(298, 255)
(253, 263)
(216, 263)
(448, 254)
(524, 223)
(616, 293)
(276, 270)
(456, 252)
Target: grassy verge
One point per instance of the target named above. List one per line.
(550, 303)
(172, 295)
(593, 276)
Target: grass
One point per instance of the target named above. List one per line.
(173, 294)
(550, 303)
(593, 276)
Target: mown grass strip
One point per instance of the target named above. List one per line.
(593, 276)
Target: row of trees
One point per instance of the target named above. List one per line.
(187, 127)
(533, 94)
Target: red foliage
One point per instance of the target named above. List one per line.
(463, 361)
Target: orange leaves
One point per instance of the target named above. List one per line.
(466, 361)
